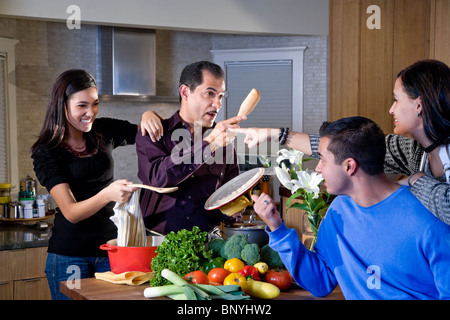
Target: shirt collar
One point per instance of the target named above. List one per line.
(176, 122)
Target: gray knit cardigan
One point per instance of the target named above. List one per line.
(406, 156)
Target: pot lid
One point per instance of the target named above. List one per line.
(234, 188)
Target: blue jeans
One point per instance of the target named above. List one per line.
(65, 268)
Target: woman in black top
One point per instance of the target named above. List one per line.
(72, 158)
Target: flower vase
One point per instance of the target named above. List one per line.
(308, 236)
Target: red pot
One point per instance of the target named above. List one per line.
(124, 259)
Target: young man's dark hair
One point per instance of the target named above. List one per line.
(358, 138)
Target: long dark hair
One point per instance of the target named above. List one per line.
(55, 125)
(430, 80)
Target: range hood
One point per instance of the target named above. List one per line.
(126, 62)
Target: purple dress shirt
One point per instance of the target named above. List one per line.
(179, 159)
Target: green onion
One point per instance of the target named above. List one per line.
(210, 289)
(155, 292)
(178, 296)
(182, 290)
(174, 278)
(179, 281)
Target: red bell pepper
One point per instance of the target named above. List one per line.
(250, 273)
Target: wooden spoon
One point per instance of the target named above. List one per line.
(249, 103)
(159, 190)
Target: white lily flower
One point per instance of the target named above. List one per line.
(284, 177)
(308, 182)
(294, 156)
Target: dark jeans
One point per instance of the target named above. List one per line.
(64, 268)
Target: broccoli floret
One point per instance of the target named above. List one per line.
(222, 250)
(271, 257)
(250, 254)
(215, 245)
(233, 246)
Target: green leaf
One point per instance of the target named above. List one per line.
(180, 252)
(189, 293)
(301, 206)
(314, 229)
(297, 194)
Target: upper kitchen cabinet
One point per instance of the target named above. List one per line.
(371, 41)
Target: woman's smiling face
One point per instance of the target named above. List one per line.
(405, 112)
(82, 108)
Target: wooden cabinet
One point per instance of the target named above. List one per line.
(32, 289)
(22, 275)
(293, 218)
(6, 290)
(364, 62)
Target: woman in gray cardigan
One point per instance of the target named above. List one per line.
(420, 147)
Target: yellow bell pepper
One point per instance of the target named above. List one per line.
(234, 265)
(236, 278)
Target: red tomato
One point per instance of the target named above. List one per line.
(280, 278)
(197, 277)
(218, 275)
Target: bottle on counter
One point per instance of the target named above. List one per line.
(41, 207)
(265, 187)
(35, 209)
(5, 199)
(28, 186)
(5, 193)
(27, 208)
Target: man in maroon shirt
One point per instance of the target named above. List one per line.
(194, 154)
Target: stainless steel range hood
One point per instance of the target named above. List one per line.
(126, 62)
(134, 64)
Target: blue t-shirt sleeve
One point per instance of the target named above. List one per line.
(307, 268)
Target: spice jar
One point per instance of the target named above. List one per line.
(27, 208)
(28, 185)
(5, 193)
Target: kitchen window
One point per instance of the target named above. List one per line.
(8, 120)
(277, 73)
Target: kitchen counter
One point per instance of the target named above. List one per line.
(14, 236)
(95, 289)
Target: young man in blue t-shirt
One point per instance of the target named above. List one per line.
(377, 241)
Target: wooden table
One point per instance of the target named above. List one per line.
(95, 289)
